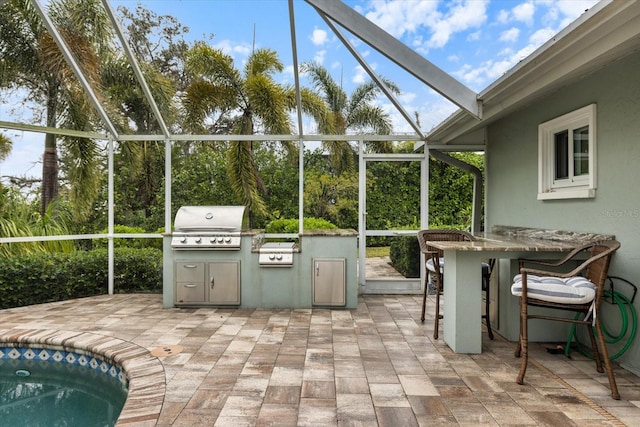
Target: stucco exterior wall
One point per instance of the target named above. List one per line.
(512, 172)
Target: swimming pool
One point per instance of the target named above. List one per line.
(41, 387)
(123, 361)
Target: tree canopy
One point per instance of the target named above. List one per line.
(199, 89)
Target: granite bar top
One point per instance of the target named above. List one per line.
(501, 243)
(522, 239)
(549, 234)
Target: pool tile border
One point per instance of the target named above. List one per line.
(75, 358)
(144, 372)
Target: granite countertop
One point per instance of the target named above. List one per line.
(549, 234)
(522, 239)
(501, 243)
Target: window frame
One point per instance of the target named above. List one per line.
(574, 186)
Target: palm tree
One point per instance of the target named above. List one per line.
(356, 113)
(33, 62)
(223, 100)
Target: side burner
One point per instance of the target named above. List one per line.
(276, 254)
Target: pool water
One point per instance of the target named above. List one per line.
(38, 393)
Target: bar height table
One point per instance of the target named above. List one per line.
(462, 278)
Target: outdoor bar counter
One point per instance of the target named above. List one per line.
(462, 276)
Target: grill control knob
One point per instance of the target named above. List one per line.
(272, 257)
(212, 240)
(227, 239)
(183, 240)
(198, 239)
(220, 239)
(279, 257)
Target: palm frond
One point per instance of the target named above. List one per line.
(268, 103)
(334, 95)
(5, 146)
(262, 62)
(370, 117)
(242, 176)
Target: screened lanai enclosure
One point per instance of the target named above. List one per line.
(150, 106)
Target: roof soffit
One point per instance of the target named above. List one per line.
(611, 33)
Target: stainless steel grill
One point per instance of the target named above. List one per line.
(208, 227)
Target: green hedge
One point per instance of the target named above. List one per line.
(129, 242)
(404, 252)
(48, 277)
(291, 225)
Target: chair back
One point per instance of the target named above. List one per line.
(441, 236)
(598, 262)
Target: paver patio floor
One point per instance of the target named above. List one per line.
(373, 365)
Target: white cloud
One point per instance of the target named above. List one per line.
(572, 9)
(25, 159)
(360, 75)
(406, 98)
(318, 58)
(402, 17)
(524, 13)
(475, 36)
(503, 17)
(505, 52)
(511, 35)
(461, 17)
(399, 17)
(541, 36)
(233, 48)
(319, 37)
(562, 12)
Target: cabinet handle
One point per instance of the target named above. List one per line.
(191, 285)
(190, 266)
(212, 281)
(317, 268)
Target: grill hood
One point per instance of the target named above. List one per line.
(209, 227)
(210, 219)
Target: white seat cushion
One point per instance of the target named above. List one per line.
(572, 290)
(431, 267)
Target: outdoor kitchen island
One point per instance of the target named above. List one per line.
(318, 271)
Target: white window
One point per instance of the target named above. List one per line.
(567, 156)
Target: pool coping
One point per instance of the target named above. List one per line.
(145, 372)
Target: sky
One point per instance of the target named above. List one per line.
(475, 41)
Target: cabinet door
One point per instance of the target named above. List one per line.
(224, 282)
(329, 285)
(189, 282)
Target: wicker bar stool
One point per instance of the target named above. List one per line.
(434, 262)
(540, 284)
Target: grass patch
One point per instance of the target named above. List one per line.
(377, 251)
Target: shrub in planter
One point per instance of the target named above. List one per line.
(291, 225)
